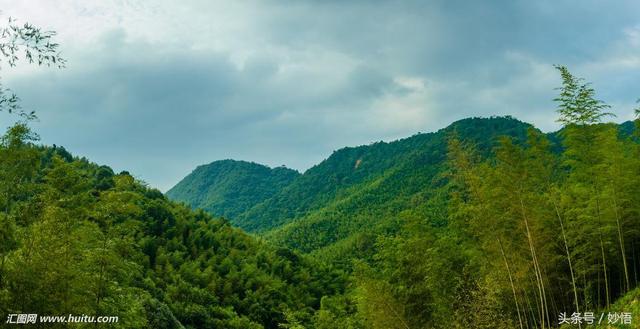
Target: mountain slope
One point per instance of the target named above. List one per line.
(335, 178)
(405, 189)
(227, 187)
(408, 189)
(79, 239)
(260, 199)
(360, 192)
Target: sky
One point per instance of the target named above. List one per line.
(159, 87)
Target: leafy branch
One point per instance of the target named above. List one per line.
(577, 103)
(33, 45)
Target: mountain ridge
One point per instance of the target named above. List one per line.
(352, 190)
(347, 167)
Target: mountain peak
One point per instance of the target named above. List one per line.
(229, 187)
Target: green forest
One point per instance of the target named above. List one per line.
(488, 223)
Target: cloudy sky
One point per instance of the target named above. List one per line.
(159, 87)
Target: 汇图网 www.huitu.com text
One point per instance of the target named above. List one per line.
(34, 318)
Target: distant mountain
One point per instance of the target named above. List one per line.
(228, 188)
(402, 181)
(355, 190)
(344, 202)
(348, 171)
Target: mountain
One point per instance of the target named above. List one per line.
(357, 193)
(399, 181)
(77, 238)
(392, 234)
(350, 191)
(228, 188)
(396, 179)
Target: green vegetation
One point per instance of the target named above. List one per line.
(79, 239)
(227, 188)
(76, 238)
(350, 170)
(488, 223)
(375, 204)
(522, 235)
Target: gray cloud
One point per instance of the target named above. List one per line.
(161, 88)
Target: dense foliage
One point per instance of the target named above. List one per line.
(257, 198)
(488, 223)
(373, 205)
(522, 235)
(228, 188)
(79, 239)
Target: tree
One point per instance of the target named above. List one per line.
(576, 102)
(595, 161)
(18, 165)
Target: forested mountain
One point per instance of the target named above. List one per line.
(373, 205)
(488, 223)
(344, 172)
(408, 188)
(359, 192)
(331, 180)
(228, 188)
(79, 239)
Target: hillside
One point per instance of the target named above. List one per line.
(228, 188)
(449, 227)
(335, 178)
(488, 223)
(408, 189)
(627, 306)
(373, 205)
(356, 189)
(356, 193)
(410, 237)
(77, 238)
